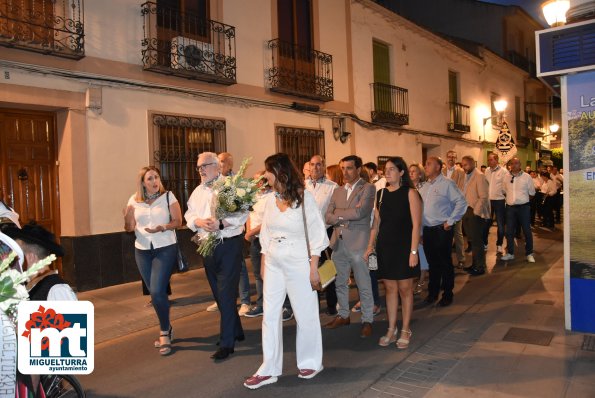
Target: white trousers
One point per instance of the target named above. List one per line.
(287, 272)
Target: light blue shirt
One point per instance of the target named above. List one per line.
(443, 201)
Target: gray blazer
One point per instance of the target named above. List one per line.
(351, 218)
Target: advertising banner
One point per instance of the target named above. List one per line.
(579, 183)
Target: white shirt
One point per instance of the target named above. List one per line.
(151, 216)
(322, 193)
(450, 170)
(549, 188)
(558, 180)
(349, 187)
(289, 227)
(258, 210)
(495, 178)
(199, 207)
(380, 184)
(537, 183)
(519, 189)
(59, 292)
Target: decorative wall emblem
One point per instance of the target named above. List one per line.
(505, 146)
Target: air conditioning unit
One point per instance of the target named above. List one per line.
(190, 54)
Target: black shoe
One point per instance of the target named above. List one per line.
(222, 353)
(431, 299)
(445, 301)
(476, 271)
(241, 337)
(331, 311)
(287, 314)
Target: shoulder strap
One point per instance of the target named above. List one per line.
(380, 200)
(169, 211)
(306, 225)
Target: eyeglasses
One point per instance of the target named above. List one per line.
(203, 166)
(511, 181)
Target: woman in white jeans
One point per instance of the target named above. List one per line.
(287, 271)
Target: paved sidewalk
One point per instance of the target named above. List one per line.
(469, 357)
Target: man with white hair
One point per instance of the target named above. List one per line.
(224, 264)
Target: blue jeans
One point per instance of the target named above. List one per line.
(499, 210)
(255, 257)
(156, 267)
(519, 215)
(244, 286)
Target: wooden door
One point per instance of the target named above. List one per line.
(30, 21)
(29, 178)
(297, 61)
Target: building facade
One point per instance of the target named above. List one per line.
(92, 91)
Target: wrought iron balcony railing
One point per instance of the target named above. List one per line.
(459, 118)
(534, 123)
(522, 62)
(300, 71)
(391, 104)
(53, 27)
(183, 44)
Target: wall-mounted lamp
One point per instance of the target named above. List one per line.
(500, 107)
(554, 12)
(554, 128)
(339, 132)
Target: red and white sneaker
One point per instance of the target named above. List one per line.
(257, 381)
(309, 373)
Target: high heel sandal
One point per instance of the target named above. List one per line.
(403, 343)
(386, 341)
(165, 349)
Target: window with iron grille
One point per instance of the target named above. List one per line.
(299, 143)
(178, 140)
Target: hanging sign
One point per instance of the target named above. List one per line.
(505, 146)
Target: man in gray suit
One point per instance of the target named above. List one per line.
(349, 214)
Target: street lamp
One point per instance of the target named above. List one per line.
(500, 107)
(554, 128)
(554, 12)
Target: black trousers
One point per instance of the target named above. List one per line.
(330, 292)
(437, 247)
(223, 273)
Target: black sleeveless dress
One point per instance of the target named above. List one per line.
(393, 244)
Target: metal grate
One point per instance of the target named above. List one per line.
(300, 144)
(544, 302)
(529, 336)
(588, 343)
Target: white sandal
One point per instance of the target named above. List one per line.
(403, 343)
(386, 341)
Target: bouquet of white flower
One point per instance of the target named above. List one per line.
(232, 194)
(12, 290)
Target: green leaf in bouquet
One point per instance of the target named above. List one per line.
(7, 289)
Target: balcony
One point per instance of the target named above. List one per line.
(535, 124)
(183, 44)
(391, 104)
(48, 27)
(522, 62)
(459, 118)
(300, 71)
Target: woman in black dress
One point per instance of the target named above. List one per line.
(395, 238)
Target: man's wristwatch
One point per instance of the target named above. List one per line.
(221, 226)
(413, 251)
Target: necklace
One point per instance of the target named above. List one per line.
(150, 197)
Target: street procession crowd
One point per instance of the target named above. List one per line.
(396, 226)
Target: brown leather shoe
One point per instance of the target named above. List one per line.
(366, 330)
(338, 322)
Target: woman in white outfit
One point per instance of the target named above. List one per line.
(287, 270)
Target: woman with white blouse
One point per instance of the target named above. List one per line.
(287, 270)
(148, 215)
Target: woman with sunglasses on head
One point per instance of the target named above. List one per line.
(292, 230)
(153, 222)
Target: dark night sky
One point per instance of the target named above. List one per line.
(533, 7)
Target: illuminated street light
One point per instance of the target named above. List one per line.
(500, 107)
(554, 128)
(554, 12)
